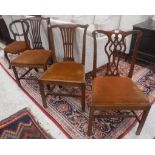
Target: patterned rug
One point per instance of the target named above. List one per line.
(21, 125)
(66, 112)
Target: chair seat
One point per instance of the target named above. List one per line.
(65, 72)
(117, 92)
(15, 47)
(32, 57)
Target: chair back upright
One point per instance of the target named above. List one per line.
(115, 48)
(36, 26)
(68, 32)
(16, 34)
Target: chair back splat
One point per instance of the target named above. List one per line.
(115, 48)
(68, 32)
(35, 27)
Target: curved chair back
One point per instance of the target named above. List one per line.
(17, 34)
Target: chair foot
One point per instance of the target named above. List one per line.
(142, 121)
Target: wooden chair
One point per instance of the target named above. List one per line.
(113, 92)
(68, 72)
(36, 57)
(16, 47)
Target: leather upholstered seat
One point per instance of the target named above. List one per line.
(117, 91)
(65, 71)
(33, 57)
(15, 47)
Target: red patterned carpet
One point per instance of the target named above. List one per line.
(21, 125)
(66, 112)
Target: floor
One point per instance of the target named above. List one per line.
(12, 99)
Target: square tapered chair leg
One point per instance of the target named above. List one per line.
(7, 58)
(83, 97)
(41, 86)
(90, 123)
(16, 76)
(142, 121)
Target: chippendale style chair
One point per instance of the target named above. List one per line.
(36, 57)
(16, 47)
(68, 72)
(113, 92)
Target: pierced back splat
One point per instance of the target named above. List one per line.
(35, 24)
(115, 48)
(68, 39)
(68, 36)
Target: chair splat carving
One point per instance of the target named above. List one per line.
(35, 26)
(68, 38)
(114, 48)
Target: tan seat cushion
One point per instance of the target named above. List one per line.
(33, 57)
(15, 47)
(65, 72)
(117, 91)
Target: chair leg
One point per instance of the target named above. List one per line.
(41, 86)
(91, 118)
(16, 76)
(7, 58)
(142, 121)
(45, 68)
(83, 97)
(36, 69)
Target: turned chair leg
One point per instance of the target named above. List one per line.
(83, 97)
(7, 58)
(90, 122)
(16, 76)
(41, 86)
(142, 121)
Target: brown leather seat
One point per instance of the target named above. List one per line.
(117, 92)
(15, 47)
(65, 71)
(32, 57)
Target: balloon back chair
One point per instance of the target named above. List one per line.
(67, 72)
(112, 91)
(17, 46)
(36, 56)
